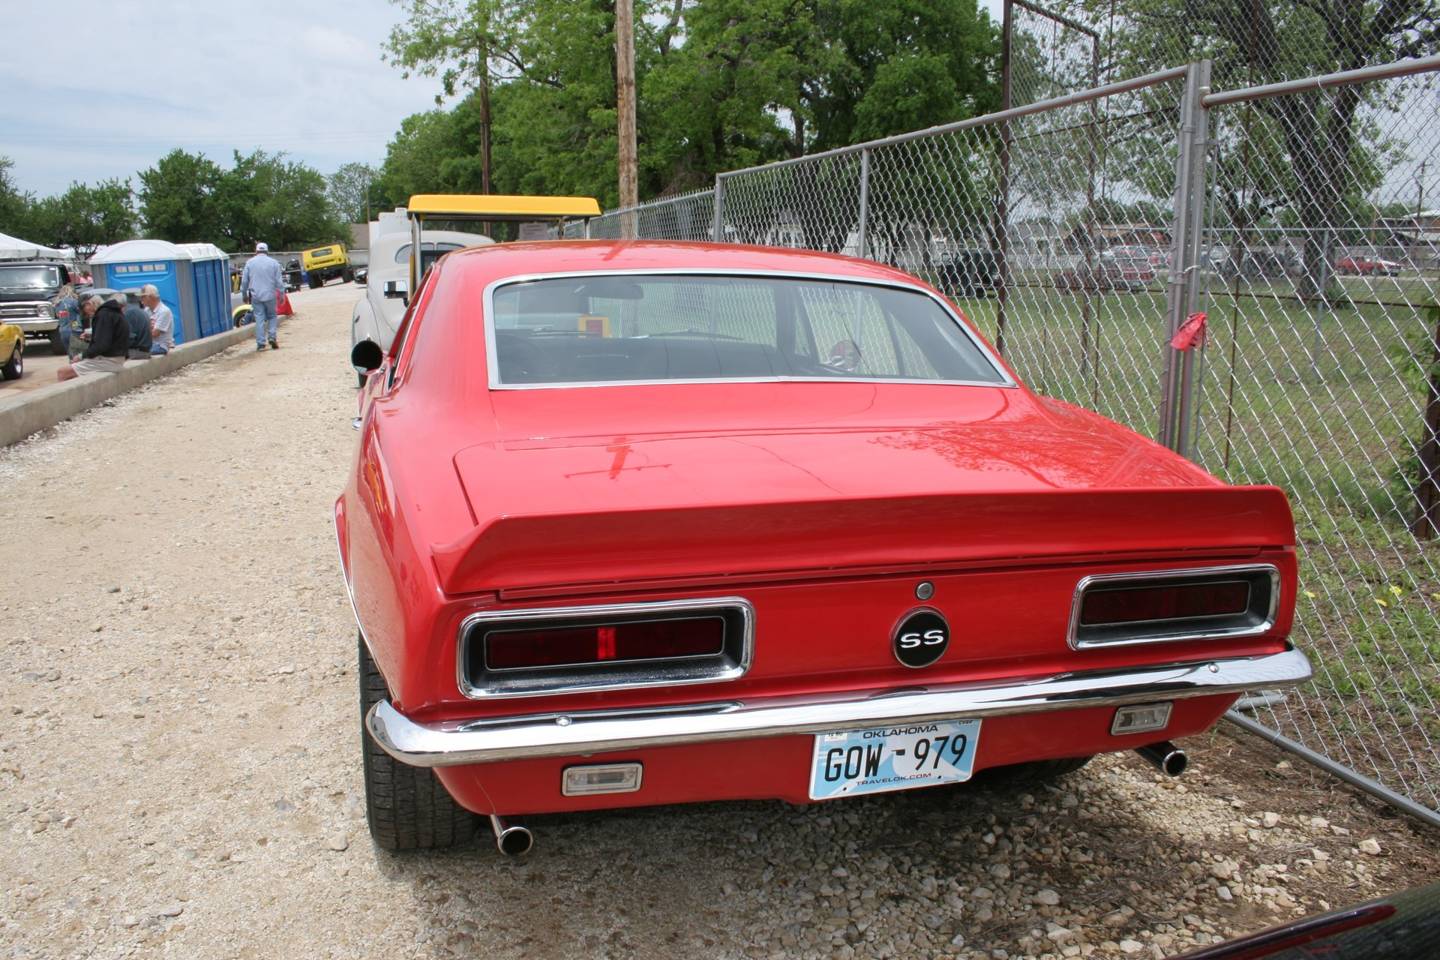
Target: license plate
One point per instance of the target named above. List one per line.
(855, 762)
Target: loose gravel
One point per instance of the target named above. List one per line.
(180, 769)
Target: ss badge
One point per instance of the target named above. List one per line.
(921, 638)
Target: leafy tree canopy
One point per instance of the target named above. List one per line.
(721, 84)
(263, 196)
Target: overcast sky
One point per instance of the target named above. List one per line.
(124, 82)
(130, 80)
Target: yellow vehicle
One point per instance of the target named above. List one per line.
(488, 208)
(12, 352)
(326, 263)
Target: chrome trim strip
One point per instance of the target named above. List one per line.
(349, 591)
(1072, 630)
(492, 361)
(456, 742)
(657, 677)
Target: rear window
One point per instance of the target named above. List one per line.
(655, 328)
(322, 252)
(429, 253)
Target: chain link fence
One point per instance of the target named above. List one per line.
(1081, 228)
(1321, 282)
(688, 216)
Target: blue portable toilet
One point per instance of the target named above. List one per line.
(211, 268)
(185, 274)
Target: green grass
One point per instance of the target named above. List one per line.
(1327, 406)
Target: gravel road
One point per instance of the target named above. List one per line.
(180, 776)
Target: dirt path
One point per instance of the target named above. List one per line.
(179, 771)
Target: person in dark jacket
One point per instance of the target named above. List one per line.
(138, 320)
(108, 343)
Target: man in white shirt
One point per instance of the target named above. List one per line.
(261, 282)
(162, 321)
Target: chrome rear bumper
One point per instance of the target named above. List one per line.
(456, 742)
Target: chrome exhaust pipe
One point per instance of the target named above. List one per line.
(1165, 757)
(511, 839)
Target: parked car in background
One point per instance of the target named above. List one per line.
(967, 273)
(1364, 266)
(376, 315)
(12, 352)
(635, 523)
(292, 275)
(325, 263)
(28, 290)
(1108, 272)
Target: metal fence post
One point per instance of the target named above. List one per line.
(717, 226)
(1183, 283)
(864, 201)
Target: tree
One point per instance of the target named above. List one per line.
(86, 217)
(178, 198)
(266, 197)
(452, 40)
(348, 191)
(15, 205)
(720, 84)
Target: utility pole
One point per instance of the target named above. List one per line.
(625, 104)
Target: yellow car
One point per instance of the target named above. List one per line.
(12, 348)
(326, 263)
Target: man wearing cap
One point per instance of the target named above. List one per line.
(260, 283)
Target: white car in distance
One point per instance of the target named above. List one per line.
(378, 313)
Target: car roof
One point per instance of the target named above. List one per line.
(506, 260)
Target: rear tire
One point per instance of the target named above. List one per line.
(1036, 771)
(315, 282)
(407, 807)
(14, 368)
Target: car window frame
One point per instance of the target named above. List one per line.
(402, 348)
(492, 363)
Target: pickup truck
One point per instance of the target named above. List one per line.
(28, 289)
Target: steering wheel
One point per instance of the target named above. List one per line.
(845, 357)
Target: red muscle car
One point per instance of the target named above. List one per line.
(645, 523)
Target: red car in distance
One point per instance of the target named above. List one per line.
(647, 522)
(1367, 266)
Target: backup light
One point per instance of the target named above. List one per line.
(1140, 718)
(601, 778)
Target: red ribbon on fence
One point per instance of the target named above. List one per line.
(1191, 333)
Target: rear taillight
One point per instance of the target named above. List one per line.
(1174, 605)
(1176, 601)
(582, 649)
(645, 640)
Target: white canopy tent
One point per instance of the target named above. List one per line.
(13, 248)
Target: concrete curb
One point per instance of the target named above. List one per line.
(29, 413)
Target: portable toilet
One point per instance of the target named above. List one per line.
(186, 286)
(211, 267)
